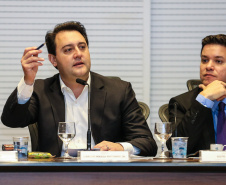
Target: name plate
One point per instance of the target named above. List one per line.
(103, 156)
(8, 156)
(212, 156)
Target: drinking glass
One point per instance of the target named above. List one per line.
(66, 132)
(163, 131)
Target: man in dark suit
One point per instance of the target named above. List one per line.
(197, 110)
(116, 119)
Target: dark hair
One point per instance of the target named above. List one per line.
(219, 39)
(70, 25)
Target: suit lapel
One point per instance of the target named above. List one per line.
(57, 104)
(97, 102)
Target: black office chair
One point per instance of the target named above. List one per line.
(164, 113)
(193, 83)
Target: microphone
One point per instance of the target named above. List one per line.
(83, 82)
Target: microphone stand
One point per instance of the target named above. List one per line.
(175, 118)
(83, 82)
(89, 122)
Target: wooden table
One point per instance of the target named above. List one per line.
(139, 171)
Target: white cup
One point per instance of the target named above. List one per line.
(217, 147)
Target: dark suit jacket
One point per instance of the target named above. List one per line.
(115, 114)
(193, 120)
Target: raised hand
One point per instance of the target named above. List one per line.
(216, 90)
(30, 63)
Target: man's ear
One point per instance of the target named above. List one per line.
(52, 59)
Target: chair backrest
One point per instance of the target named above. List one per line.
(164, 113)
(33, 129)
(193, 83)
(144, 109)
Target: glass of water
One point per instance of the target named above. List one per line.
(66, 132)
(179, 147)
(163, 132)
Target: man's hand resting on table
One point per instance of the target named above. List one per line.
(109, 146)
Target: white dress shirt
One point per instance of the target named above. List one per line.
(76, 110)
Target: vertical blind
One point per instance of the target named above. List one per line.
(118, 32)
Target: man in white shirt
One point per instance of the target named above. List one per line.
(197, 110)
(116, 119)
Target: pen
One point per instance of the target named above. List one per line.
(39, 47)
